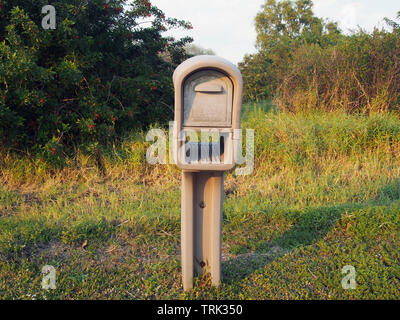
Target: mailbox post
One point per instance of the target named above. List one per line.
(208, 100)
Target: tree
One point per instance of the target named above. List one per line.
(98, 75)
(393, 24)
(282, 27)
(284, 21)
(305, 63)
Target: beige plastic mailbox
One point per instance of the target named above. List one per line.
(208, 101)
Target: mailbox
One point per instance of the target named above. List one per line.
(208, 100)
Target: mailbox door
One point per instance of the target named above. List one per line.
(207, 100)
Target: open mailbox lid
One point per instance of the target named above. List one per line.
(208, 97)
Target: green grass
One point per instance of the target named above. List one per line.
(325, 194)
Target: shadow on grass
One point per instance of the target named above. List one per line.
(311, 225)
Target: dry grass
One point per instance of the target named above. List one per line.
(324, 194)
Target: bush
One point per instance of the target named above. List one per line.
(102, 72)
(282, 26)
(305, 63)
(360, 74)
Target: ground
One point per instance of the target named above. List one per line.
(325, 194)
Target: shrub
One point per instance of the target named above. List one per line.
(105, 70)
(360, 74)
(305, 63)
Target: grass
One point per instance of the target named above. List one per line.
(325, 194)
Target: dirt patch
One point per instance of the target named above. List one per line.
(53, 249)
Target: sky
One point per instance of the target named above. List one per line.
(227, 26)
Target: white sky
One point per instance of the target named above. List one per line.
(227, 26)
